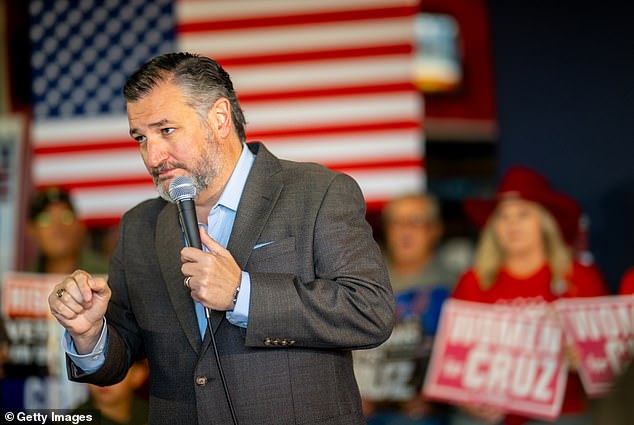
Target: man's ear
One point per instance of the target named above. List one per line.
(220, 117)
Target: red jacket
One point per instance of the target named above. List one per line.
(627, 283)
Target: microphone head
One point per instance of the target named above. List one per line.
(182, 188)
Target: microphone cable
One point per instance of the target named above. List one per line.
(225, 387)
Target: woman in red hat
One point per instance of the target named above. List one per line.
(524, 256)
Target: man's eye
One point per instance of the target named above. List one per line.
(140, 139)
(167, 131)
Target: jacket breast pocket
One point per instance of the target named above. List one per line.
(276, 257)
(273, 249)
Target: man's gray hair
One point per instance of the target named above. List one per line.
(203, 80)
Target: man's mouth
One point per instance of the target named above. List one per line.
(163, 173)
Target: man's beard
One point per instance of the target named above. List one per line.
(206, 168)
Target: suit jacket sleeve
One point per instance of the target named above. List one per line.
(325, 284)
(124, 344)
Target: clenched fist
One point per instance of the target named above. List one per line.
(79, 304)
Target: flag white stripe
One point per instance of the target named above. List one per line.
(319, 75)
(247, 9)
(380, 184)
(300, 38)
(325, 112)
(356, 148)
(88, 166)
(107, 202)
(80, 131)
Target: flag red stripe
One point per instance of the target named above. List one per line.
(101, 222)
(87, 147)
(403, 163)
(210, 25)
(375, 205)
(114, 182)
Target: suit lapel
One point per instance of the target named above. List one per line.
(169, 242)
(258, 199)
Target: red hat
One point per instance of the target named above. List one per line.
(525, 183)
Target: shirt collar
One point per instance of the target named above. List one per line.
(232, 193)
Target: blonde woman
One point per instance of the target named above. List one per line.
(523, 256)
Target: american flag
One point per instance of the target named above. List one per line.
(328, 81)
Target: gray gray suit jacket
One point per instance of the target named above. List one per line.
(319, 290)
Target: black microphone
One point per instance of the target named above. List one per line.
(182, 191)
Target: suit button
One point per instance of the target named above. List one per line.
(201, 380)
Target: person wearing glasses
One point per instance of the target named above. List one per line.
(60, 236)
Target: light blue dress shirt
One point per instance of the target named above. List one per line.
(219, 226)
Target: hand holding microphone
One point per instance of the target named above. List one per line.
(213, 277)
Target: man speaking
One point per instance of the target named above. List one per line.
(256, 327)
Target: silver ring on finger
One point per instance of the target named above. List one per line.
(186, 282)
(60, 292)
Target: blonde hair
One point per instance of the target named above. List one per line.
(489, 256)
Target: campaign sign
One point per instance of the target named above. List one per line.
(35, 375)
(26, 294)
(499, 355)
(602, 329)
(28, 321)
(389, 372)
(394, 371)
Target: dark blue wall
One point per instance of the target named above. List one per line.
(564, 81)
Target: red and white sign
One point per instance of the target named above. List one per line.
(499, 356)
(26, 294)
(602, 328)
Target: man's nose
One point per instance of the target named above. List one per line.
(155, 152)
